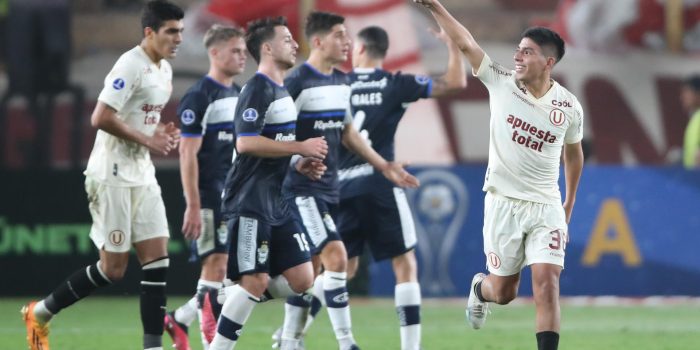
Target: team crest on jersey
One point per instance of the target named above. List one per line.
(422, 79)
(118, 84)
(187, 117)
(262, 253)
(250, 115)
(556, 117)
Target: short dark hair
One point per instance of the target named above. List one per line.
(547, 39)
(260, 31)
(693, 82)
(376, 41)
(157, 12)
(321, 23)
(218, 33)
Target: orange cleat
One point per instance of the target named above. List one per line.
(37, 334)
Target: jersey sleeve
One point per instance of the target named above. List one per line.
(252, 106)
(191, 112)
(413, 87)
(120, 84)
(492, 73)
(574, 133)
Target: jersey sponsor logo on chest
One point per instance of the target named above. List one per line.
(330, 124)
(152, 113)
(530, 137)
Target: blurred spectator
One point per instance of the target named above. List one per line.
(690, 98)
(604, 25)
(39, 33)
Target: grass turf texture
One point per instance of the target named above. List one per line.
(112, 323)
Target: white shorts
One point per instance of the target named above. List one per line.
(122, 216)
(520, 233)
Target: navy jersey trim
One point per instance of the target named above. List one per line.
(268, 78)
(331, 114)
(280, 127)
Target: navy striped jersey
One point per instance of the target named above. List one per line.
(323, 103)
(254, 184)
(206, 111)
(378, 100)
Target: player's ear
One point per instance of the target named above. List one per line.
(148, 31)
(551, 61)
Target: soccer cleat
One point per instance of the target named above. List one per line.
(37, 334)
(177, 331)
(354, 347)
(476, 309)
(207, 323)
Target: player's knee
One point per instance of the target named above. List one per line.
(405, 267)
(546, 290)
(302, 283)
(352, 268)
(334, 257)
(114, 271)
(214, 267)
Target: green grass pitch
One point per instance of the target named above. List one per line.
(112, 323)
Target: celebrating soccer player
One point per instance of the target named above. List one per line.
(525, 224)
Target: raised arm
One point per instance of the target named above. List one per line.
(455, 77)
(573, 167)
(459, 35)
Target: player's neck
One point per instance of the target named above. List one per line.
(538, 87)
(151, 53)
(370, 63)
(273, 71)
(220, 77)
(324, 66)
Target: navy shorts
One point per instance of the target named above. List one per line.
(258, 247)
(214, 236)
(318, 218)
(380, 219)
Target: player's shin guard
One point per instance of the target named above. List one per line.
(336, 295)
(153, 301)
(278, 287)
(296, 310)
(79, 285)
(234, 314)
(408, 300)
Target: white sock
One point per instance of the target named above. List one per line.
(42, 314)
(408, 300)
(336, 296)
(234, 314)
(278, 287)
(186, 313)
(294, 321)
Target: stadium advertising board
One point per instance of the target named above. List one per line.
(633, 233)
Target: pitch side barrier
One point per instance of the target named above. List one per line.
(634, 232)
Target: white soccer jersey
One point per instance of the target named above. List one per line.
(527, 135)
(138, 90)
